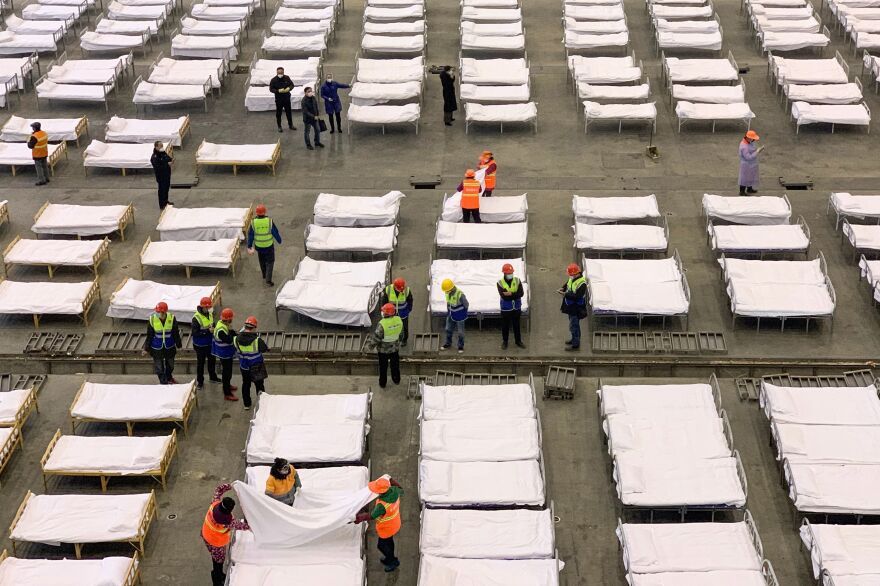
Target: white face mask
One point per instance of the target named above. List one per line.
(280, 75)
(508, 277)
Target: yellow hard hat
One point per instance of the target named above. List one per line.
(447, 285)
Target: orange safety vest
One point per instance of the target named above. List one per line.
(490, 177)
(388, 524)
(41, 149)
(470, 194)
(213, 532)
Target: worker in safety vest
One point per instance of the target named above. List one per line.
(39, 145)
(386, 514)
(282, 482)
(510, 291)
(163, 340)
(202, 340)
(400, 296)
(262, 235)
(386, 339)
(456, 313)
(217, 531)
(470, 197)
(487, 162)
(250, 350)
(574, 303)
(222, 348)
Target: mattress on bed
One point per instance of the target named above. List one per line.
(854, 114)
(412, 12)
(305, 443)
(492, 210)
(681, 435)
(395, 28)
(476, 534)
(805, 25)
(113, 454)
(313, 43)
(834, 488)
(827, 444)
(664, 11)
(687, 401)
(390, 70)
(35, 27)
(821, 406)
(338, 210)
(393, 44)
(276, 409)
(576, 40)
(15, 44)
(779, 299)
(492, 29)
(597, 111)
(779, 237)
(462, 402)
(201, 223)
(837, 93)
(494, 71)
(18, 129)
(43, 297)
(212, 254)
(650, 481)
(501, 112)
(843, 550)
(798, 272)
(145, 131)
(375, 239)
(164, 94)
(136, 299)
(370, 94)
(694, 70)
(808, 71)
(118, 155)
(127, 27)
(109, 571)
(481, 483)
(728, 111)
(348, 571)
(439, 571)
(384, 114)
(604, 70)
(301, 71)
(209, 152)
(353, 274)
(710, 94)
(863, 237)
(182, 72)
(713, 577)
(79, 220)
(10, 402)
(614, 93)
(328, 303)
(757, 210)
(490, 439)
(512, 235)
(617, 237)
(601, 210)
(94, 41)
(473, 272)
(710, 41)
(54, 252)
(648, 299)
(48, 12)
(120, 402)
(50, 90)
(293, 28)
(205, 46)
(11, 66)
(477, 42)
(635, 271)
(859, 206)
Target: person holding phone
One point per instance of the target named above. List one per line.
(748, 163)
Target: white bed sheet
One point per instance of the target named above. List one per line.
(462, 402)
(43, 297)
(34, 27)
(227, 13)
(821, 406)
(710, 41)
(792, 41)
(351, 211)
(597, 111)
(493, 29)
(118, 155)
(352, 274)
(605, 27)
(757, 210)
(681, 436)
(827, 444)
(729, 111)
(230, 153)
(492, 209)
(835, 488)
(136, 299)
(375, 239)
(710, 94)
(656, 482)
(473, 272)
(339, 547)
(201, 223)
(322, 483)
(189, 72)
(714, 577)
(695, 401)
(303, 443)
(686, 12)
(215, 47)
(274, 409)
(614, 93)
(304, 43)
(491, 439)
(475, 534)
(412, 12)
(843, 550)
(390, 70)
(77, 220)
(370, 94)
(347, 571)
(477, 42)
(494, 71)
(838, 93)
(577, 40)
(859, 206)
(54, 252)
(95, 41)
(475, 14)
(50, 90)
(212, 254)
(616, 237)
(10, 403)
(18, 129)
(110, 571)
(601, 13)
(863, 237)
(501, 112)
(686, 26)
(809, 71)
(805, 25)
(119, 11)
(604, 70)
(512, 235)
(73, 73)
(192, 26)
(119, 402)
(11, 66)
(16, 44)
(384, 114)
(853, 114)
(300, 71)
(115, 454)
(127, 27)
(49, 12)
(641, 271)
(650, 298)
(19, 155)
(738, 238)
(438, 571)
(294, 28)
(779, 299)
(601, 210)
(327, 302)
(481, 483)
(259, 99)
(395, 28)
(286, 13)
(145, 131)
(796, 272)
(393, 43)
(692, 70)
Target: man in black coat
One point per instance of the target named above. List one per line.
(311, 113)
(447, 80)
(281, 86)
(161, 162)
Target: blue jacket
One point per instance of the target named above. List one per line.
(330, 93)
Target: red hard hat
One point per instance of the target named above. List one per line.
(399, 284)
(206, 303)
(260, 210)
(388, 309)
(507, 269)
(226, 314)
(161, 307)
(251, 321)
(573, 269)
(470, 173)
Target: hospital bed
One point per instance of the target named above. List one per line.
(79, 221)
(96, 42)
(118, 155)
(148, 94)
(871, 66)
(453, 402)
(7, 87)
(16, 407)
(695, 401)
(371, 94)
(864, 208)
(131, 404)
(355, 274)
(189, 72)
(135, 299)
(490, 239)
(395, 28)
(858, 547)
(691, 111)
(194, 27)
(285, 14)
(501, 113)
(374, 240)
(602, 13)
(482, 484)
(210, 254)
(108, 457)
(238, 155)
(637, 289)
(605, 70)
(73, 72)
(120, 11)
(118, 66)
(357, 211)
(16, 44)
(45, 298)
(147, 131)
(825, 444)
(39, 27)
(205, 47)
(487, 535)
(258, 98)
(337, 558)
(493, 72)
(666, 41)
(300, 71)
(19, 68)
(578, 41)
(98, 519)
(807, 71)
(436, 571)
(700, 71)
(221, 13)
(493, 210)
(313, 44)
(10, 439)
(621, 239)
(761, 23)
(708, 94)
(4, 212)
(328, 302)
(108, 26)
(17, 155)
(488, 43)
(686, 26)
(384, 115)
(839, 406)
(63, 92)
(642, 112)
(794, 41)
(52, 12)
(753, 211)
(501, 29)
(595, 27)
(396, 44)
(803, 113)
(182, 224)
(393, 14)
(608, 210)
(760, 240)
(864, 239)
(870, 271)
(298, 28)
(109, 571)
(56, 253)
(833, 489)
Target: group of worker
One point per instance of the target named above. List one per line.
(471, 188)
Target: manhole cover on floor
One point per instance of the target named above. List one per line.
(623, 160)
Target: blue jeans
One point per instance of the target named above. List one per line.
(574, 326)
(452, 326)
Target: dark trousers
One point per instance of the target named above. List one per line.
(386, 547)
(508, 319)
(404, 335)
(487, 193)
(285, 106)
(226, 375)
(246, 381)
(447, 117)
(468, 214)
(164, 187)
(163, 365)
(266, 256)
(574, 327)
(338, 125)
(41, 166)
(203, 354)
(384, 359)
(218, 577)
(311, 125)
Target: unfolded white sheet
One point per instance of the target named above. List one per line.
(512, 235)
(393, 43)
(827, 444)
(73, 73)
(66, 91)
(474, 534)
(473, 272)
(713, 577)
(228, 13)
(863, 236)
(166, 93)
(709, 94)
(809, 71)
(119, 11)
(597, 111)
(350, 211)
(347, 571)
(780, 237)
(77, 220)
(212, 254)
(482, 299)
(352, 274)
(10, 403)
(17, 44)
(673, 435)
(191, 26)
(119, 402)
(577, 40)
(501, 112)
(327, 302)
(854, 114)
(80, 518)
(118, 155)
(837, 93)
(490, 439)
(370, 94)
(110, 571)
(136, 299)
(651, 481)
(210, 152)
(384, 114)
(260, 99)
(614, 93)
(53, 252)
(215, 47)
(462, 402)
(798, 272)
(189, 71)
(481, 483)
(822, 406)
(604, 70)
(439, 571)
(377, 239)
(617, 237)
(493, 29)
(43, 297)
(843, 550)
(34, 27)
(757, 210)
(693, 401)
(343, 545)
(95, 41)
(478, 42)
(395, 28)
(686, 26)
(685, 12)
(376, 13)
(494, 71)
(305, 43)
(691, 70)
(303, 443)
(201, 223)
(687, 547)
(710, 41)
(835, 488)
(606, 12)
(602, 210)
(113, 454)
(595, 26)
(390, 70)
(322, 483)
(146, 131)
(649, 298)
(276, 409)
(492, 210)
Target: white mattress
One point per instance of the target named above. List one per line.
(501, 112)
(395, 28)
(201, 223)
(438, 571)
(492, 209)
(11, 402)
(17, 129)
(145, 131)
(475, 14)
(835, 488)
(601, 210)
(650, 481)
(94, 41)
(730, 111)
(674, 434)
(491, 439)
(118, 402)
(85, 518)
(43, 297)
(352, 274)
(619, 237)
(843, 550)
(204, 46)
(118, 11)
(376, 240)
(481, 483)
(393, 44)
(859, 206)
(306, 43)
(16, 44)
(663, 11)
(855, 114)
(62, 91)
(293, 28)
(327, 302)
(110, 571)
(710, 94)
(390, 70)
(77, 220)
(478, 42)
(274, 409)
(303, 443)
(463, 402)
(686, 26)
(474, 534)
(338, 210)
(577, 40)
(827, 444)
(127, 27)
(260, 99)
(602, 12)
(792, 41)
(54, 252)
(209, 152)
(594, 26)
(384, 114)
(136, 299)
(304, 14)
(863, 236)
(597, 111)
(343, 546)
(714, 577)
(227, 13)
(808, 71)
(348, 571)
(118, 155)
(212, 254)
(692, 401)
(736, 238)
(473, 272)
(415, 11)
(191, 26)
(710, 41)
(632, 271)
(494, 71)
(112, 454)
(615, 93)
(779, 300)
(757, 210)
(691, 70)
(512, 235)
(822, 406)
(493, 29)
(687, 547)
(370, 94)
(838, 93)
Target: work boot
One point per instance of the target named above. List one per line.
(446, 346)
(214, 379)
(230, 397)
(393, 566)
(310, 147)
(504, 345)
(280, 129)
(320, 145)
(520, 345)
(200, 386)
(568, 342)
(172, 380)
(750, 190)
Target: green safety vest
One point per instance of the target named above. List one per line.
(391, 327)
(205, 321)
(263, 232)
(161, 332)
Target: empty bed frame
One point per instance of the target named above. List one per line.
(56, 253)
(76, 220)
(238, 155)
(109, 571)
(210, 254)
(48, 298)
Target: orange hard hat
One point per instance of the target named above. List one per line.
(507, 269)
(487, 154)
(206, 303)
(161, 307)
(251, 321)
(260, 210)
(751, 134)
(470, 173)
(388, 309)
(573, 269)
(379, 486)
(399, 284)
(226, 314)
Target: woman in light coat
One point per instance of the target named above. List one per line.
(748, 163)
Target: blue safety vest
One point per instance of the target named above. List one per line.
(511, 287)
(457, 310)
(205, 321)
(220, 349)
(572, 286)
(248, 355)
(398, 300)
(161, 332)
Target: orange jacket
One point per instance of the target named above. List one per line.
(492, 165)
(214, 533)
(41, 149)
(388, 524)
(470, 194)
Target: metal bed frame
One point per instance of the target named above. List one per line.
(386, 278)
(159, 25)
(721, 221)
(863, 103)
(788, 478)
(818, 49)
(108, 88)
(872, 71)
(847, 235)
(652, 122)
(26, 72)
(124, 67)
(786, 93)
(759, 251)
(397, 102)
(843, 215)
(573, 80)
(350, 252)
(371, 306)
(351, 124)
(648, 220)
(517, 252)
(752, 22)
(579, 99)
(670, 91)
(666, 73)
(460, 78)
(587, 252)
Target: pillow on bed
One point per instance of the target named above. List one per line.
(96, 148)
(116, 124)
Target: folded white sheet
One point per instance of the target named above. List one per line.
(303, 443)
(473, 440)
(10, 403)
(439, 571)
(474, 401)
(484, 236)
(734, 238)
(762, 209)
(338, 210)
(43, 297)
(474, 534)
(118, 402)
(110, 571)
(673, 435)
(618, 237)
(827, 444)
(822, 406)
(481, 483)
(834, 488)
(649, 481)
(601, 210)
(136, 299)
(109, 454)
(54, 252)
(327, 302)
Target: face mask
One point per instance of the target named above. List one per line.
(280, 75)
(508, 277)
(329, 79)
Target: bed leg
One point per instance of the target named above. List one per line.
(104, 481)
(77, 548)
(45, 483)
(188, 272)
(36, 321)
(129, 426)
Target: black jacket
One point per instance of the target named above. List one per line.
(310, 109)
(518, 294)
(161, 162)
(448, 82)
(244, 338)
(281, 83)
(175, 335)
(574, 308)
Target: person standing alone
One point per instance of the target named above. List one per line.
(447, 80)
(262, 235)
(332, 105)
(161, 162)
(281, 86)
(574, 303)
(748, 163)
(311, 114)
(250, 350)
(39, 145)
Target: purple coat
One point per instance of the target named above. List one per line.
(748, 164)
